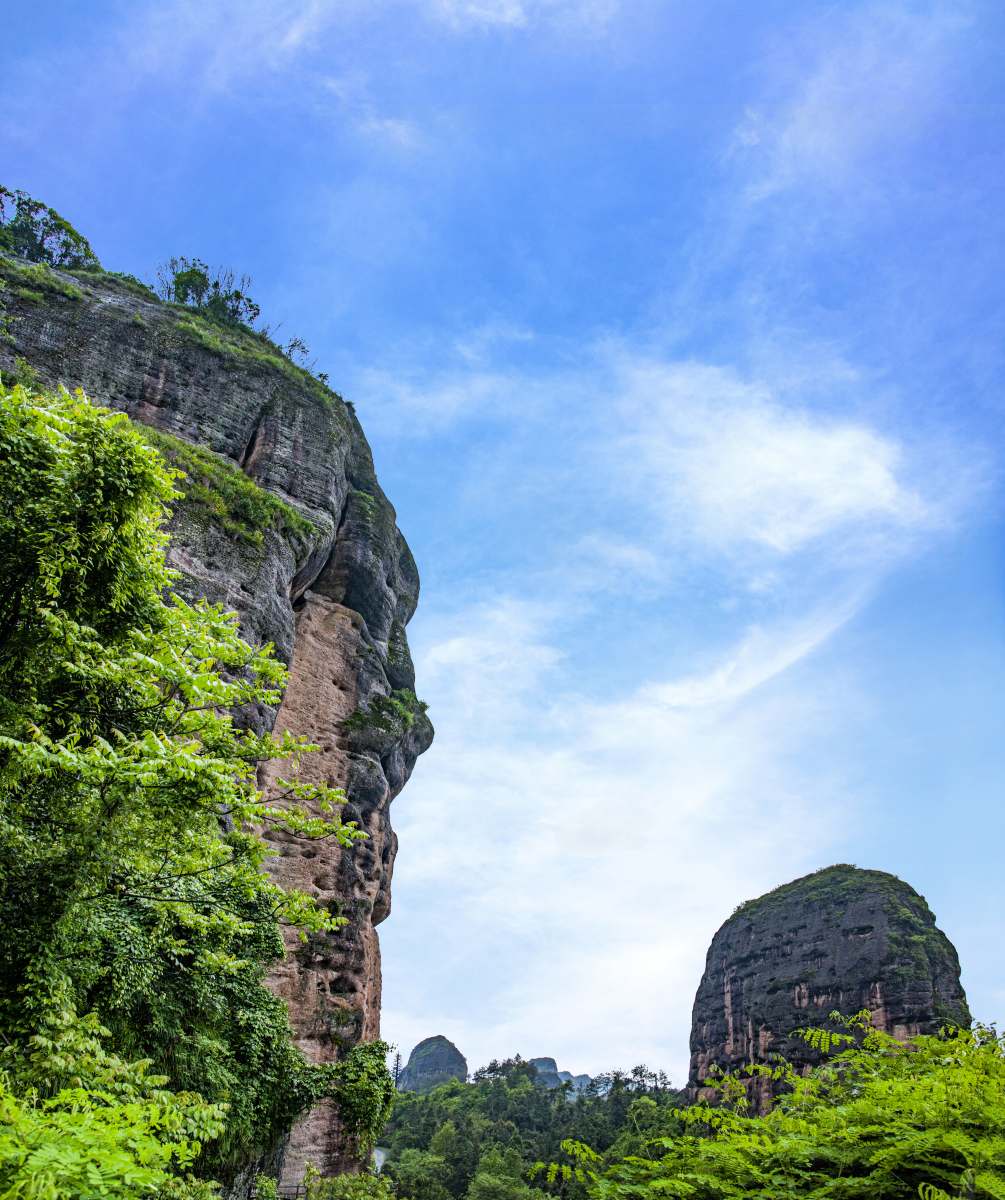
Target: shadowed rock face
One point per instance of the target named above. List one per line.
(547, 1071)
(334, 604)
(842, 938)
(433, 1061)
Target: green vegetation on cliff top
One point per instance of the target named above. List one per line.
(215, 314)
(835, 886)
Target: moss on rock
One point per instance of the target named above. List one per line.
(218, 491)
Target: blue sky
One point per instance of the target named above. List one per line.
(676, 329)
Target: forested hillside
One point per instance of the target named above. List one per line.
(480, 1139)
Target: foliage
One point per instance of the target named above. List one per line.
(132, 881)
(31, 284)
(388, 714)
(95, 1126)
(220, 491)
(367, 1185)
(499, 1176)
(189, 281)
(31, 230)
(419, 1175)
(880, 1119)
(367, 1095)
(438, 1142)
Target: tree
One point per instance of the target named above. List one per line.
(97, 1126)
(189, 281)
(133, 878)
(880, 1119)
(509, 1109)
(30, 229)
(499, 1176)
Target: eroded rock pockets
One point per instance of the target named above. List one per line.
(842, 938)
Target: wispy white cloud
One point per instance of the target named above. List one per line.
(520, 14)
(744, 467)
(582, 847)
(838, 99)
(481, 12)
(582, 852)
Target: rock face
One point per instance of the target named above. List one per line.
(842, 938)
(432, 1062)
(549, 1074)
(334, 601)
(547, 1071)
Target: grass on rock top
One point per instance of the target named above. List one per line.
(834, 886)
(31, 280)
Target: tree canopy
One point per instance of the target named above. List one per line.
(477, 1140)
(32, 230)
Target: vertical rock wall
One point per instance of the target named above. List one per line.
(335, 603)
(841, 938)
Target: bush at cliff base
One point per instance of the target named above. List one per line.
(878, 1120)
(367, 1185)
(110, 1130)
(132, 890)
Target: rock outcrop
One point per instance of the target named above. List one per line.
(433, 1061)
(549, 1074)
(841, 938)
(332, 587)
(547, 1071)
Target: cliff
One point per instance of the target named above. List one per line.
(433, 1061)
(841, 938)
(283, 522)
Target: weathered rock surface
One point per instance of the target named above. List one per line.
(334, 603)
(433, 1061)
(841, 938)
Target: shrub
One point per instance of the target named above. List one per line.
(191, 282)
(367, 1185)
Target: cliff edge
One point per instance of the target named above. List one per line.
(311, 559)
